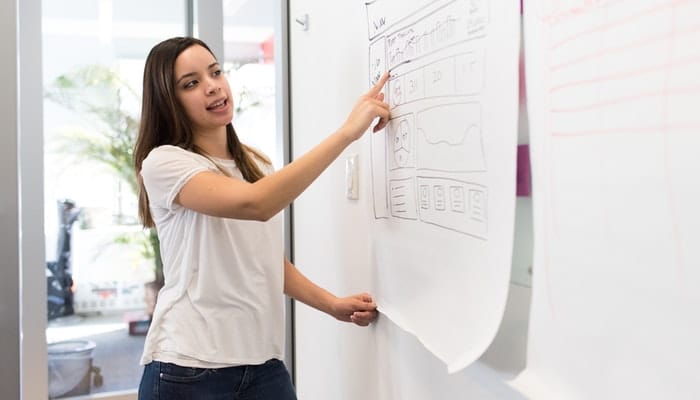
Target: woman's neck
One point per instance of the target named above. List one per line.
(213, 144)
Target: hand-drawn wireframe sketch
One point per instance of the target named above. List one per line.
(431, 164)
(443, 169)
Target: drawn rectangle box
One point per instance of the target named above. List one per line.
(403, 198)
(454, 205)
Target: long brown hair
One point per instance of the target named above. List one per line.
(164, 121)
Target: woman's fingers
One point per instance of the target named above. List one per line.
(379, 97)
(379, 85)
(363, 318)
(383, 117)
(369, 107)
(380, 125)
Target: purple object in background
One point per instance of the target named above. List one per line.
(523, 172)
(521, 6)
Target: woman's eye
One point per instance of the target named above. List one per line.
(190, 84)
(217, 72)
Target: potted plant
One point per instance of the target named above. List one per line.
(110, 106)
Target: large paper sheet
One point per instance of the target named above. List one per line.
(614, 97)
(443, 170)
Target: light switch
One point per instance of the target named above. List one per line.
(351, 177)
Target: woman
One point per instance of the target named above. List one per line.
(218, 327)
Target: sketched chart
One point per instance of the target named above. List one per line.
(451, 146)
(431, 165)
(457, 205)
(443, 169)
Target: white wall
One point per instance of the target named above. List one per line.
(332, 247)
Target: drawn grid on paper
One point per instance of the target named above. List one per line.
(431, 166)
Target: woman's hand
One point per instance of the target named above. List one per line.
(368, 107)
(358, 309)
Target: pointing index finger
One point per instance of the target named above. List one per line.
(379, 85)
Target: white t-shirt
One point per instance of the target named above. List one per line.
(223, 301)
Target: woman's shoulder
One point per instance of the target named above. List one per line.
(171, 152)
(168, 150)
(168, 154)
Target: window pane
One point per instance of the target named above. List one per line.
(249, 29)
(99, 260)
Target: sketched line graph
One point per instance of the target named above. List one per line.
(434, 140)
(451, 144)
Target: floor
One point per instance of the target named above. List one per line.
(116, 353)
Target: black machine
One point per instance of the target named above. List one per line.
(59, 279)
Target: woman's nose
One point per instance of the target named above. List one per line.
(211, 89)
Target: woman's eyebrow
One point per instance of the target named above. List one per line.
(187, 75)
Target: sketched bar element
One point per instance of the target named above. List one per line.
(452, 204)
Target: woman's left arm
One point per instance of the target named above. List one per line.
(359, 309)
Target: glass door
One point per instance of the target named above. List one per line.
(100, 263)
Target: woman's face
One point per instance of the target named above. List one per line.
(203, 90)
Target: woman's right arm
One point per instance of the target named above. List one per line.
(213, 194)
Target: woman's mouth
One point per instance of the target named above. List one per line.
(218, 105)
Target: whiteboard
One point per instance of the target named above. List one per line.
(443, 170)
(613, 94)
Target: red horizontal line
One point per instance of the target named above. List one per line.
(629, 98)
(627, 74)
(628, 46)
(618, 23)
(659, 129)
(562, 16)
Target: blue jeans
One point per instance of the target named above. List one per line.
(165, 381)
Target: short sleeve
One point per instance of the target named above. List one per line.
(165, 171)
